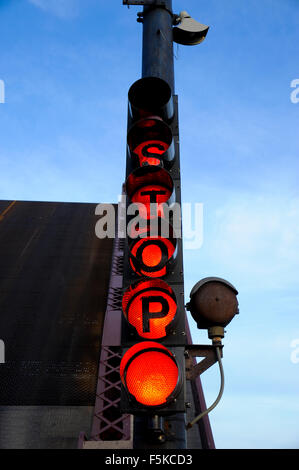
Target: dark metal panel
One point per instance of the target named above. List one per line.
(54, 275)
(42, 427)
(4, 205)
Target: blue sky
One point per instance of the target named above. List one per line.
(67, 66)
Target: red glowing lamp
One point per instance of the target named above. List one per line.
(150, 374)
(150, 307)
(151, 256)
(151, 186)
(150, 141)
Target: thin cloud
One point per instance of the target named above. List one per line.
(257, 236)
(60, 8)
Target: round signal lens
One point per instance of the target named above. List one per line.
(149, 138)
(150, 374)
(151, 187)
(149, 256)
(150, 96)
(149, 195)
(150, 307)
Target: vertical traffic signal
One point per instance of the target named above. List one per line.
(153, 326)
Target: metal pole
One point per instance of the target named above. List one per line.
(157, 54)
(174, 427)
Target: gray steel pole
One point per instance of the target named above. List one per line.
(157, 54)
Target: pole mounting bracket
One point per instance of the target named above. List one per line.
(208, 352)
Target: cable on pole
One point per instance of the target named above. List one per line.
(204, 413)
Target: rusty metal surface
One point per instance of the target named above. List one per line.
(208, 352)
(215, 302)
(54, 276)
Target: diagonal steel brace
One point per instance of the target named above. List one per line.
(199, 350)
